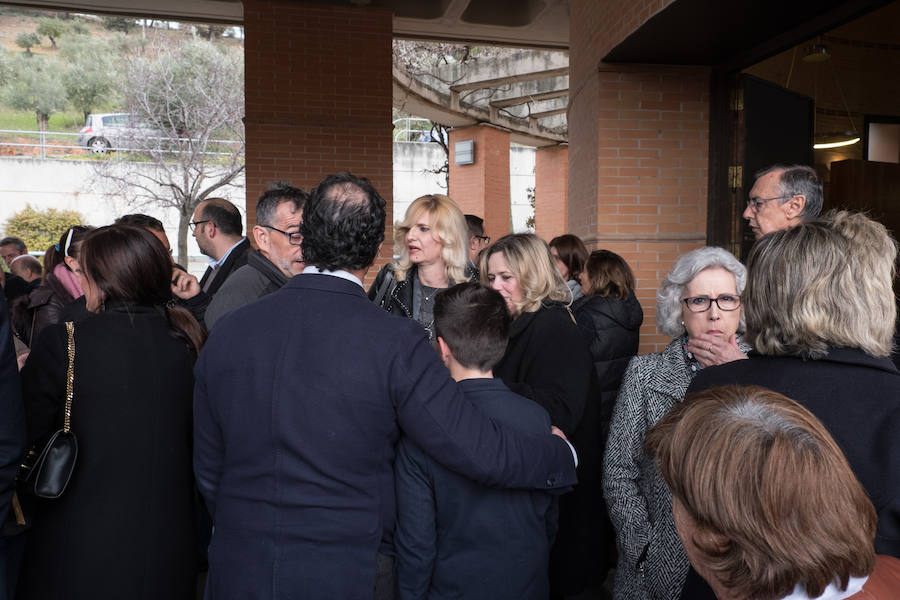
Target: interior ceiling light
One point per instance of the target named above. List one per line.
(817, 53)
(849, 142)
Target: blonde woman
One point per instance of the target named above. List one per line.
(431, 246)
(548, 361)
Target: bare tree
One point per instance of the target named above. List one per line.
(186, 101)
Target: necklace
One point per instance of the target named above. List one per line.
(426, 297)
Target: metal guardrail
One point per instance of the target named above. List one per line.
(42, 143)
(404, 131)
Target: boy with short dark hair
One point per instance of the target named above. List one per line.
(456, 538)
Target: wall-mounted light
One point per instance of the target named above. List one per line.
(836, 144)
(464, 152)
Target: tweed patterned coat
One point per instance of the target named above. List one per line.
(640, 505)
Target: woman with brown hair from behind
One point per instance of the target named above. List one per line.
(126, 526)
(765, 502)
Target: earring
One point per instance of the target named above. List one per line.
(682, 323)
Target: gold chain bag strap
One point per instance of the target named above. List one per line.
(53, 469)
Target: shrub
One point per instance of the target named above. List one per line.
(39, 229)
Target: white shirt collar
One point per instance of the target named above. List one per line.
(339, 273)
(831, 592)
(217, 263)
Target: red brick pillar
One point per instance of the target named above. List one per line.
(482, 188)
(639, 140)
(551, 191)
(318, 97)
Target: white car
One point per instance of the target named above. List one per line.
(113, 131)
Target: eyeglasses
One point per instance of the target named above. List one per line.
(726, 302)
(193, 224)
(484, 238)
(754, 203)
(295, 238)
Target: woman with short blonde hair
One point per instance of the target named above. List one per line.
(764, 501)
(548, 361)
(840, 296)
(431, 249)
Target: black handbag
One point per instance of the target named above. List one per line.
(51, 472)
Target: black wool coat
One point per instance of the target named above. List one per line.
(125, 527)
(612, 329)
(547, 360)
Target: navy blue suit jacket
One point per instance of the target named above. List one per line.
(299, 402)
(457, 539)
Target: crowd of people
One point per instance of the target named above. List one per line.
(476, 424)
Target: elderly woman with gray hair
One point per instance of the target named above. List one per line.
(698, 304)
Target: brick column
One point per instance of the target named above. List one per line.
(318, 97)
(551, 191)
(639, 138)
(482, 188)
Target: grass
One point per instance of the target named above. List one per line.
(64, 122)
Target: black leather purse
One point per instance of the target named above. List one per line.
(51, 471)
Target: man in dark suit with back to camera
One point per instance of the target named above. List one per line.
(294, 441)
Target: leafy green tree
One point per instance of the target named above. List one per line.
(210, 32)
(40, 229)
(52, 28)
(192, 93)
(90, 76)
(36, 84)
(123, 24)
(79, 27)
(28, 41)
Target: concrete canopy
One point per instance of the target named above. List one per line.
(533, 23)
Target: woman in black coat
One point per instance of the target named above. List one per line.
(125, 527)
(547, 360)
(610, 319)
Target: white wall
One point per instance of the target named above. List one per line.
(411, 159)
(70, 185)
(521, 177)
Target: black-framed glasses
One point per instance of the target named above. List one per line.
(193, 224)
(295, 238)
(755, 203)
(726, 302)
(484, 238)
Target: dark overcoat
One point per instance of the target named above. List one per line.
(125, 526)
(547, 360)
(236, 259)
(294, 442)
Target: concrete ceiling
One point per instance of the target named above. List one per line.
(526, 23)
